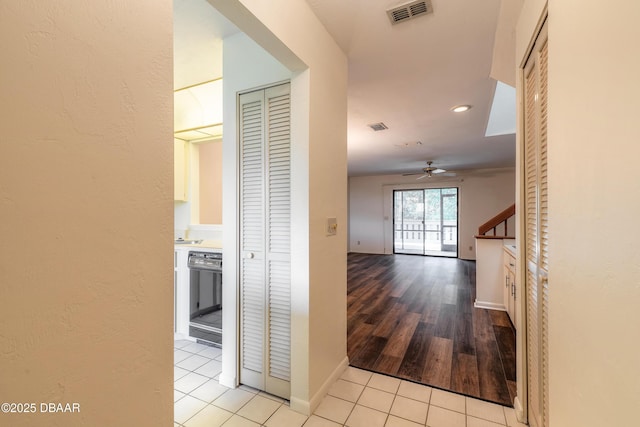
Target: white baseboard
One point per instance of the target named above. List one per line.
(307, 407)
(517, 405)
(181, 336)
(489, 305)
(300, 405)
(228, 380)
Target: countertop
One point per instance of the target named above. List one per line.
(510, 245)
(206, 245)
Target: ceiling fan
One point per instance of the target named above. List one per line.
(430, 172)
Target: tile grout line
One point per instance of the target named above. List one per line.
(426, 420)
(358, 397)
(394, 401)
(193, 371)
(466, 415)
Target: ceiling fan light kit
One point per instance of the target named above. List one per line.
(430, 171)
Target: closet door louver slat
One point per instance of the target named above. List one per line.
(531, 237)
(279, 237)
(268, 214)
(536, 232)
(543, 212)
(252, 235)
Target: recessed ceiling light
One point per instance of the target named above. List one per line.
(461, 108)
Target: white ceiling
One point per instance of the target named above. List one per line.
(502, 119)
(407, 75)
(198, 31)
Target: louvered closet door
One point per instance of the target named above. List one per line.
(536, 233)
(265, 349)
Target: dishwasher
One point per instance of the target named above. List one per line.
(205, 297)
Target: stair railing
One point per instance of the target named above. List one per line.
(496, 221)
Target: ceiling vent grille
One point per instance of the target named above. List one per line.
(378, 126)
(409, 11)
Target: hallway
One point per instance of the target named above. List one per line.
(413, 317)
(358, 399)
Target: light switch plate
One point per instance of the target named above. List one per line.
(332, 226)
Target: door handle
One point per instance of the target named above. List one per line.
(249, 255)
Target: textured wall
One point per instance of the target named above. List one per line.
(594, 286)
(594, 376)
(86, 211)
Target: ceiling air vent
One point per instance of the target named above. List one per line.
(378, 126)
(409, 11)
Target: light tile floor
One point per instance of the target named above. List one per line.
(358, 399)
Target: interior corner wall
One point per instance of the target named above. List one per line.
(371, 208)
(182, 209)
(210, 180)
(246, 66)
(86, 189)
(594, 290)
(319, 184)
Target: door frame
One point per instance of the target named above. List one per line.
(533, 26)
(389, 212)
(423, 230)
(442, 226)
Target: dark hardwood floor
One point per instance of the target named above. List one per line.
(412, 317)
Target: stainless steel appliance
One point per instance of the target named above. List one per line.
(205, 295)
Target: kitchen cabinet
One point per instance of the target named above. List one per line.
(181, 292)
(180, 170)
(509, 291)
(175, 291)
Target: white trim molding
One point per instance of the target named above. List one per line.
(307, 407)
(489, 305)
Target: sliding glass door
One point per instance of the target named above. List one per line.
(426, 221)
(408, 218)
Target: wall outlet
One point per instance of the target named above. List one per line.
(470, 248)
(358, 242)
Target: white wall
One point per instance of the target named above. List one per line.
(246, 66)
(319, 184)
(594, 256)
(182, 209)
(186, 216)
(371, 207)
(86, 193)
(490, 278)
(210, 178)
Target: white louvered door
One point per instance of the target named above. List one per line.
(265, 284)
(252, 230)
(536, 234)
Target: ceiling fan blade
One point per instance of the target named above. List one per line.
(423, 176)
(438, 170)
(448, 174)
(415, 173)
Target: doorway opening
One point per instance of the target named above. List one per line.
(425, 222)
